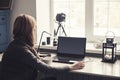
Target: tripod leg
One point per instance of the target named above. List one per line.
(64, 30)
(60, 25)
(57, 30)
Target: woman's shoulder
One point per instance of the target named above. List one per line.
(18, 46)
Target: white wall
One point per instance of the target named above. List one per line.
(36, 8)
(22, 6)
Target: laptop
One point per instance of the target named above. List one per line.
(70, 48)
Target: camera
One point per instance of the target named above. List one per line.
(60, 17)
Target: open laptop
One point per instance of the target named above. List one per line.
(70, 48)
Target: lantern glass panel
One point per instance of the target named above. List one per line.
(108, 53)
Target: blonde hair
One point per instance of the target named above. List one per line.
(23, 29)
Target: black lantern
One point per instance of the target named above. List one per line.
(109, 50)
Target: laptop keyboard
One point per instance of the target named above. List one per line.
(69, 60)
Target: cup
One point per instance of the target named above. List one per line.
(43, 43)
(48, 40)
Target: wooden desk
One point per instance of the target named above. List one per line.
(93, 70)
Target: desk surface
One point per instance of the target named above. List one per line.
(94, 67)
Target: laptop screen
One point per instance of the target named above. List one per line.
(71, 46)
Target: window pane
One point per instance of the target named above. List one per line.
(74, 24)
(106, 16)
(114, 16)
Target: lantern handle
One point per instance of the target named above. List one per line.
(106, 35)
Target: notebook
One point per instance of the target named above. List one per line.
(70, 48)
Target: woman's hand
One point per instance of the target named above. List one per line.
(77, 65)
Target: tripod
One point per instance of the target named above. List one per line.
(60, 26)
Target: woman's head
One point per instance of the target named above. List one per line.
(23, 29)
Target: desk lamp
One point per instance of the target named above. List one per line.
(41, 39)
(109, 50)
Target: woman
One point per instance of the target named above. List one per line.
(20, 61)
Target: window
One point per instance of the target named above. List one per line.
(90, 18)
(106, 16)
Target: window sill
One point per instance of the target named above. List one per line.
(92, 48)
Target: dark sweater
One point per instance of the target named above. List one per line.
(20, 63)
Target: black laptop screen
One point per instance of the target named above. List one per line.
(74, 46)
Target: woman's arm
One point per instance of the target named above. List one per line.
(30, 59)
